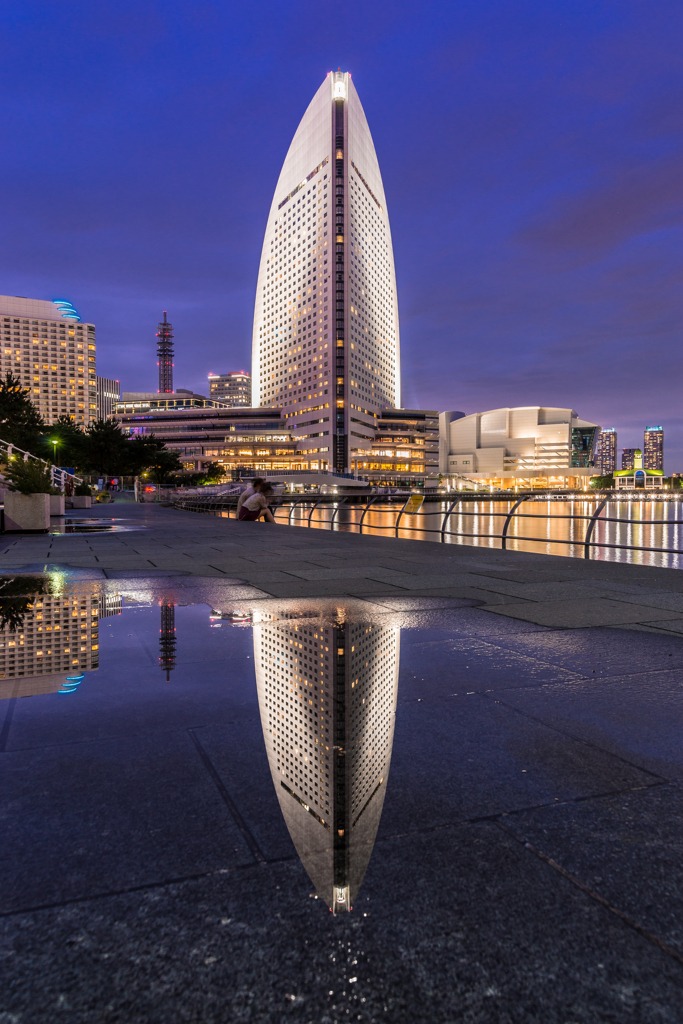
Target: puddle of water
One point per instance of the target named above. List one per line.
(174, 729)
(74, 525)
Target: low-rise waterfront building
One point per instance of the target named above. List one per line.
(405, 448)
(532, 447)
(244, 441)
(132, 402)
(637, 475)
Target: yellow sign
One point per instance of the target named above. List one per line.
(414, 503)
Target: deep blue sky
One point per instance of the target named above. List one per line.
(531, 155)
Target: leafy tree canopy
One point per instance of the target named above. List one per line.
(20, 422)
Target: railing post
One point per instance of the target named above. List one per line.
(360, 525)
(292, 507)
(313, 510)
(447, 515)
(508, 520)
(401, 512)
(591, 527)
(334, 514)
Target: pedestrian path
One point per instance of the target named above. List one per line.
(281, 561)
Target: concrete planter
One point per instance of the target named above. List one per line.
(81, 501)
(29, 512)
(56, 504)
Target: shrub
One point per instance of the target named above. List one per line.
(83, 491)
(30, 477)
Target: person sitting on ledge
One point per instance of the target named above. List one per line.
(253, 488)
(257, 505)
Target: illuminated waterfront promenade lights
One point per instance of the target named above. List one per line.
(325, 346)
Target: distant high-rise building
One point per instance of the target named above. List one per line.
(627, 457)
(606, 451)
(327, 693)
(52, 353)
(165, 356)
(326, 337)
(653, 449)
(234, 389)
(108, 394)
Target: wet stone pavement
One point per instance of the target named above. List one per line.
(221, 804)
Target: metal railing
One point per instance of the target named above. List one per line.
(58, 475)
(284, 508)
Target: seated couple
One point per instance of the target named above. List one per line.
(253, 503)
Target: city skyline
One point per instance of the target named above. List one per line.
(531, 197)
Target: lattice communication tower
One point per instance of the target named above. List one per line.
(165, 356)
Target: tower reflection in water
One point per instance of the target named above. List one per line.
(327, 694)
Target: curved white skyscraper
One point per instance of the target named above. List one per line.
(326, 346)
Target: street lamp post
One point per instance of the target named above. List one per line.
(54, 458)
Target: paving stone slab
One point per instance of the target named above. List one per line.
(578, 613)
(252, 945)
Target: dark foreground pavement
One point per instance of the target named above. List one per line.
(528, 867)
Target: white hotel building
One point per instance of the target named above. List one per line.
(52, 353)
(326, 348)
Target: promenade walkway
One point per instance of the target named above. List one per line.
(281, 561)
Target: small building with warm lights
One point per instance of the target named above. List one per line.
(636, 476)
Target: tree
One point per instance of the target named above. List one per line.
(142, 453)
(602, 482)
(104, 448)
(166, 462)
(15, 602)
(70, 447)
(213, 473)
(20, 422)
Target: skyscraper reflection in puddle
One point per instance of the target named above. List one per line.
(327, 691)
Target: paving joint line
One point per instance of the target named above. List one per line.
(574, 880)
(576, 739)
(249, 839)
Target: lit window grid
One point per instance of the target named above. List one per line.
(58, 635)
(287, 373)
(56, 360)
(296, 672)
